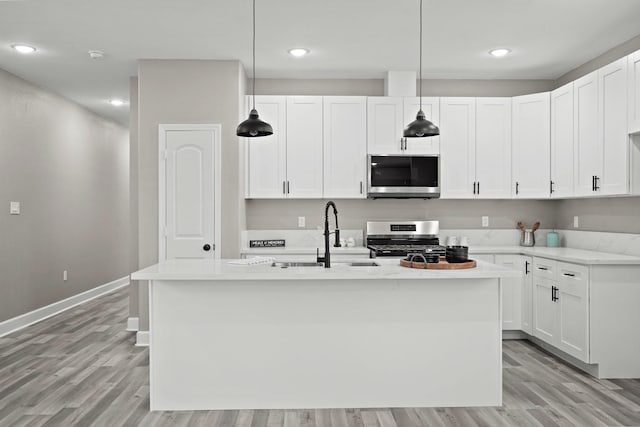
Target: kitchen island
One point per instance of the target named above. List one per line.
(226, 336)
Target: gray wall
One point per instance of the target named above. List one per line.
(375, 87)
(69, 169)
(283, 214)
(182, 92)
(609, 56)
(133, 194)
(614, 214)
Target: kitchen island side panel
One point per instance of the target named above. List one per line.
(325, 344)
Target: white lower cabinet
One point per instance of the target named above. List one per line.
(514, 294)
(561, 307)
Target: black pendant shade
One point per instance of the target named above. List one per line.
(420, 127)
(254, 127)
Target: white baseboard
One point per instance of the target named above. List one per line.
(132, 324)
(142, 339)
(24, 320)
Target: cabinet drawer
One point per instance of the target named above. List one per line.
(545, 268)
(573, 274)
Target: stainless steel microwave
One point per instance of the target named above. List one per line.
(403, 176)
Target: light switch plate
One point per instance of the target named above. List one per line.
(576, 222)
(485, 221)
(14, 208)
(302, 221)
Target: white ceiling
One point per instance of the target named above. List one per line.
(347, 38)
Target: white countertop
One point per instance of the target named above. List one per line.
(578, 256)
(389, 269)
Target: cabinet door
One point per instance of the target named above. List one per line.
(527, 296)
(511, 292)
(531, 162)
(457, 148)
(588, 146)
(633, 76)
(267, 156)
(562, 141)
(573, 318)
(544, 310)
(345, 146)
(612, 118)
(384, 124)
(304, 146)
(493, 148)
(431, 109)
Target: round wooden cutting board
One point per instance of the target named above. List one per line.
(442, 265)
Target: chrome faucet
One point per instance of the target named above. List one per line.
(327, 255)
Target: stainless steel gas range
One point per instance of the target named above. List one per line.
(399, 238)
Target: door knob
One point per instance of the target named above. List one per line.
(206, 247)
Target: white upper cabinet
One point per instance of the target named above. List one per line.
(385, 117)
(562, 141)
(612, 119)
(267, 156)
(345, 146)
(633, 76)
(457, 147)
(493, 148)
(431, 109)
(304, 147)
(588, 149)
(531, 146)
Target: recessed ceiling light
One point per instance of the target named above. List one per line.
(117, 102)
(500, 52)
(298, 52)
(23, 48)
(96, 54)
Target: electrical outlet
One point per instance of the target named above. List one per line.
(14, 208)
(64, 275)
(485, 221)
(576, 222)
(301, 221)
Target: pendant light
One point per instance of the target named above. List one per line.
(253, 126)
(420, 127)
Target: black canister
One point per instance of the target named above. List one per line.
(457, 254)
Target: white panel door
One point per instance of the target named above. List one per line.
(562, 141)
(345, 146)
(267, 155)
(544, 310)
(493, 148)
(511, 292)
(190, 192)
(531, 161)
(457, 147)
(431, 109)
(304, 147)
(612, 117)
(588, 145)
(385, 125)
(633, 76)
(573, 308)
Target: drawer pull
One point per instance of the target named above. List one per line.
(543, 268)
(569, 274)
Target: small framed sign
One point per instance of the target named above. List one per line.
(279, 243)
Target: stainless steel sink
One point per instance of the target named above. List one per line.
(364, 264)
(297, 264)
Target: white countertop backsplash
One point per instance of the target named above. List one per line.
(587, 247)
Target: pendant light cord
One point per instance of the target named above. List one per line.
(420, 88)
(254, 55)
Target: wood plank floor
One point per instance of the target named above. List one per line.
(81, 368)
